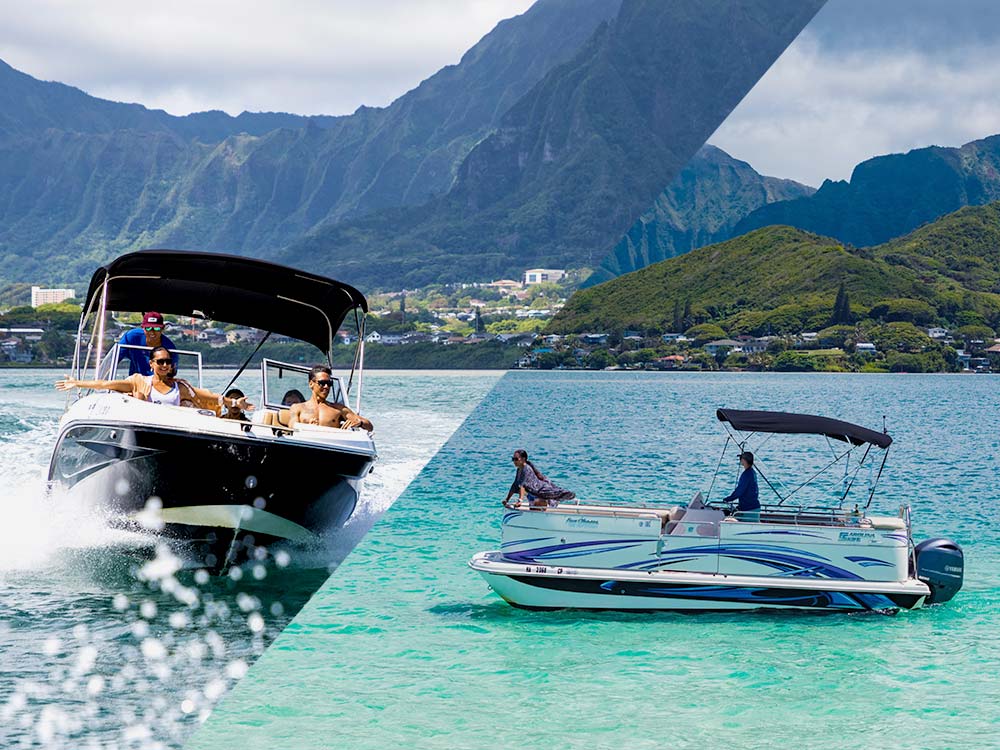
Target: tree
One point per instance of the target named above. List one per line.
(900, 337)
(678, 322)
(704, 333)
(402, 308)
(841, 307)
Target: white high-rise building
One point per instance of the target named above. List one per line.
(538, 275)
(41, 296)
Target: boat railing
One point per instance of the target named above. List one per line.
(799, 515)
(805, 515)
(604, 509)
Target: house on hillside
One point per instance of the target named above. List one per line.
(244, 336)
(506, 286)
(714, 347)
(751, 345)
(670, 362)
(517, 339)
(864, 347)
(594, 339)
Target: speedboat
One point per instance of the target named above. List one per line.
(699, 555)
(216, 490)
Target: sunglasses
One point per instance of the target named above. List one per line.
(323, 383)
(153, 329)
(163, 361)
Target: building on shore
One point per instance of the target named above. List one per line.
(41, 296)
(539, 275)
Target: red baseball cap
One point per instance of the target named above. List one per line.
(152, 319)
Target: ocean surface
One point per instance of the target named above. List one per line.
(99, 650)
(407, 647)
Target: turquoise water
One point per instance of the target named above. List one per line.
(92, 657)
(407, 647)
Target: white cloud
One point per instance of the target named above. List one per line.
(823, 109)
(306, 57)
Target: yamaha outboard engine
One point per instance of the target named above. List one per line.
(941, 566)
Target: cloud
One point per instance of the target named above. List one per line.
(306, 57)
(863, 82)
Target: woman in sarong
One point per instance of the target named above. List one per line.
(533, 486)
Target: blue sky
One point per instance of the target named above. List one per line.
(866, 77)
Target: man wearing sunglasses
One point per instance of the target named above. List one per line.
(150, 334)
(317, 410)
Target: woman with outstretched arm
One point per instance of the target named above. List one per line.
(161, 387)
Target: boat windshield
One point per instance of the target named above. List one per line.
(286, 384)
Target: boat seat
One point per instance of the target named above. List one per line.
(887, 522)
(276, 418)
(700, 521)
(272, 418)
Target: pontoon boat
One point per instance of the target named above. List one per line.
(699, 556)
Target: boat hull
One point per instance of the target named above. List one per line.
(216, 497)
(553, 587)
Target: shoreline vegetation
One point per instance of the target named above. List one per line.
(776, 298)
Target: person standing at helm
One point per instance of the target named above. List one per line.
(746, 491)
(150, 334)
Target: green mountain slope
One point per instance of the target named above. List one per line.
(701, 207)
(891, 195)
(583, 154)
(963, 247)
(781, 274)
(84, 179)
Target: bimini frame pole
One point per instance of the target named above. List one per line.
(359, 359)
(361, 374)
(77, 362)
(102, 314)
(871, 493)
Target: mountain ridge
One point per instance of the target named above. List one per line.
(700, 207)
(890, 195)
(586, 151)
(251, 193)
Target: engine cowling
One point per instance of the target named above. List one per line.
(941, 565)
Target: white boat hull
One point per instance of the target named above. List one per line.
(216, 489)
(535, 586)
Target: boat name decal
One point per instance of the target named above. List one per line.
(857, 536)
(583, 521)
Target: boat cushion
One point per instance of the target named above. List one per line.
(887, 522)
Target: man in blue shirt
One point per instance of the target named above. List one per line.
(149, 334)
(746, 491)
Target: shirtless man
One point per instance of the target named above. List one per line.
(317, 410)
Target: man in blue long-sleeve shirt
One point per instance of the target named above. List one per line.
(746, 491)
(149, 334)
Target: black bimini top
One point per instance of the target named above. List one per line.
(802, 424)
(229, 288)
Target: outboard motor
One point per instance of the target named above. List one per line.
(941, 565)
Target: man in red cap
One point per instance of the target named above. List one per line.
(150, 334)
